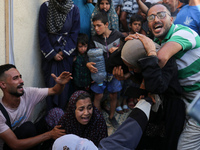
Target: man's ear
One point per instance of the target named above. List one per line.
(149, 28)
(106, 24)
(172, 20)
(2, 84)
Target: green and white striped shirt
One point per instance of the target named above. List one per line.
(188, 59)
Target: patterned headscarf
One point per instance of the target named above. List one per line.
(113, 21)
(95, 130)
(57, 14)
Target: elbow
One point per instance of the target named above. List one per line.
(162, 60)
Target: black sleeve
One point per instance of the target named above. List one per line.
(156, 79)
(91, 44)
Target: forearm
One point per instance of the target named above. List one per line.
(63, 79)
(142, 6)
(167, 51)
(31, 142)
(57, 89)
(14, 143)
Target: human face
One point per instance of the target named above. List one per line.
(104, 5)
(173, 4)
(136, 26)
(159, 27)
(84, 110)
(82, 48)
(100, 27)
(13, 82)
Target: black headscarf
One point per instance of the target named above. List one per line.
(57, 14)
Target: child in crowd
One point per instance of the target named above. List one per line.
(107, 7)
(108, 40)
(135, 24)
(81, 74)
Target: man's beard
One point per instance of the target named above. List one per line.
(17, 94)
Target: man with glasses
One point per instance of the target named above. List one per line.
(184, 44)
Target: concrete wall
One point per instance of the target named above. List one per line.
(2, 31)
(2, 35)
(26, 47)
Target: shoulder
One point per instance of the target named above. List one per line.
(181, 30)
(116, 33)
(34, 92)
(97, 37)
(45, 5)
(75, 8)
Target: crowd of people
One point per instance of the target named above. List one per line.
(151, 51)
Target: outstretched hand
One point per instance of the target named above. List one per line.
(119, 73)
(56, 132)
(63, 78)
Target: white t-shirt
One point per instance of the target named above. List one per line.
(22, 114)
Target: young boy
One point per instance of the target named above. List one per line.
(81, 74)
(108, 40)
(135, 24)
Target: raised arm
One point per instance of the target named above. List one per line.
(142, 6)
(64, 78)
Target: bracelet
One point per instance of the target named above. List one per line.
(150, 52)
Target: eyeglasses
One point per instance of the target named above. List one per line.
(160, 15)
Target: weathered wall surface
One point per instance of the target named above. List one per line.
(2, 31)
(26, 47)
(2, 35)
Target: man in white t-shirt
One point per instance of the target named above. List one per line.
(19, 103)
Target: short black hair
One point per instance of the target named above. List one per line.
(100, 16)
(136, 17)
(5, 67)
(82, 38)
(165, 5)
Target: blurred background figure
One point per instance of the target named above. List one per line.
(85, 8)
